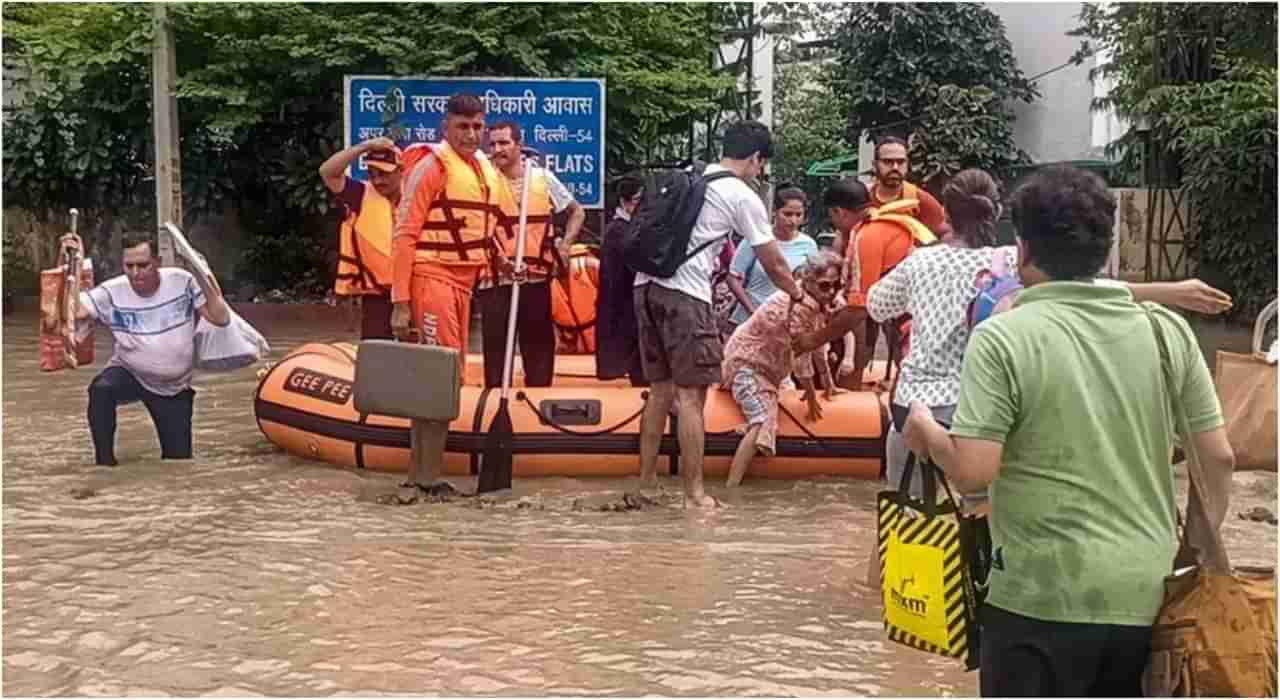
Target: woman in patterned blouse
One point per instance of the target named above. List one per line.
(758, 357)
(935, 285)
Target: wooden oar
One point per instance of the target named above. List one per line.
(495, 467)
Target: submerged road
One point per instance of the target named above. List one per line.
(248, 571)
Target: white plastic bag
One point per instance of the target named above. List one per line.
(229, 347)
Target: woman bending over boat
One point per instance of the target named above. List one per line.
(758, 357)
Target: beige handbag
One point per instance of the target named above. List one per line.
(1247, 389)
(1215, 635)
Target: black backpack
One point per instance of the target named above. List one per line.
(658, 235)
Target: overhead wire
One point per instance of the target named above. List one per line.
(1032, 80)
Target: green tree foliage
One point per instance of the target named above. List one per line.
(807, 127)
(1244, 32)
(260, 94)
(81, 136)
(1219, 126)
(943, 75)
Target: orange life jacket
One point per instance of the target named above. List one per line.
(903, 212)
(896, 213)
(460, 225)
(364, 247)
(539, 250)
(909, 192)
(573, 303)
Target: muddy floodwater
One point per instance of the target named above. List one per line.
(247, 571)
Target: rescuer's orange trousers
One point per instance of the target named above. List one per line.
(440, 299)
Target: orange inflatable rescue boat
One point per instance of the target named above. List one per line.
(579, 427)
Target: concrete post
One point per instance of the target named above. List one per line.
(164, 105)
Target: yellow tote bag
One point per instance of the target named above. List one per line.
(929, 599)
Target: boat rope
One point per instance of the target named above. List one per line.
(807, 432)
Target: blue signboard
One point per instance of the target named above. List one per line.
(562, 118)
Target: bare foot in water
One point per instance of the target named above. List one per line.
(649, 487)
(703, 501)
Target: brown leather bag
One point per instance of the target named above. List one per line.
(1247, 388)
(1216, 632)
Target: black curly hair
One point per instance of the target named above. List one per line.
(628, 186)
(1065, 215)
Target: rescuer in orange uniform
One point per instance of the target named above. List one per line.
(535, 331)
(364, 239)
(891, 166)
(448, 213)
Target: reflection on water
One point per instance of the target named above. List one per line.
(247, 571)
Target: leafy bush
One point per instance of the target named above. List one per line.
(290, 262)
(1225, 131)
(942, 74)
(806, 129)
(1220, 131)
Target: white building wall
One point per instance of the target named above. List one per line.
(1107, 127)
(1059, 125)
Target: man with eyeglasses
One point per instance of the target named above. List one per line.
(880, 244)
(891, 166)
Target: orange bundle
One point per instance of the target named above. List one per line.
(55, 326)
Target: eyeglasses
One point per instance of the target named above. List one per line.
(825, 286)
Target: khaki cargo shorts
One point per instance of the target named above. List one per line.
(678, 337)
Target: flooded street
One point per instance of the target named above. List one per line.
(247, 571)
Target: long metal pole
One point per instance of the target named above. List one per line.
(749, 112)
(713, 29)
(164, 108)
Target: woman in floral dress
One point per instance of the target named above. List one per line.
(758, 357)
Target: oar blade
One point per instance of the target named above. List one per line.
(496, 461)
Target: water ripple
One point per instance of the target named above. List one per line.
(249, 572)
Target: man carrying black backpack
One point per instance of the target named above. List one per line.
(683, 222)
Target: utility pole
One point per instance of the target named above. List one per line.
(164, 119)
(736, 29)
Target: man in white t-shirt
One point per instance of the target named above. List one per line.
(679, 342)
(151, 312)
